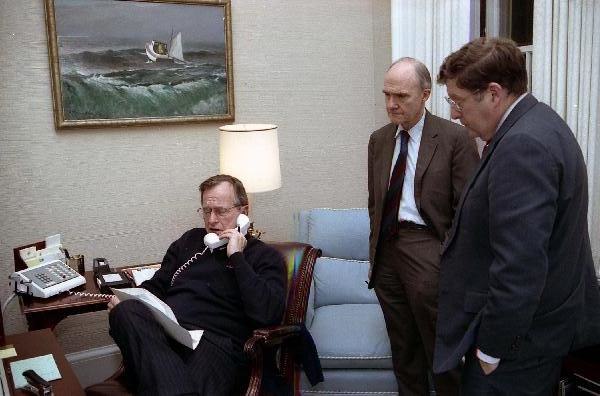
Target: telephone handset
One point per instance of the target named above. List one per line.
(212, 240)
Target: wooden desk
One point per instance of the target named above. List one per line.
(38, 343)
(47, 312)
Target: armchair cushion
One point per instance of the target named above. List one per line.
(338, 281)
(351, 336)
(346, 321)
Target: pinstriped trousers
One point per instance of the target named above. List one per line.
(157, 365)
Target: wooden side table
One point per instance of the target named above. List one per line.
(44, 313)
(38, 343)
(48, 312)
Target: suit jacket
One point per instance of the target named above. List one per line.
(447, 157)
(516, 276)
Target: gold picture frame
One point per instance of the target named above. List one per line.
(139, 62)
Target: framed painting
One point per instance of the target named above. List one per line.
(139, 62)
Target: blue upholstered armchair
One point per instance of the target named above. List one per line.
(344, 316)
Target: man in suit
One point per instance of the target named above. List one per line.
(517, 284)
(418, 165)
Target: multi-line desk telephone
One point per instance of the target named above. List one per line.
(47, 274)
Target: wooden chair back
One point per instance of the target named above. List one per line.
(300, 260)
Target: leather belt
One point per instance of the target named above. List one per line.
(409, 225)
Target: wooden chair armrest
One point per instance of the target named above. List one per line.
(265, 337)
(274, 335)
(117, 375)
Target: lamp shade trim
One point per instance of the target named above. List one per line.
(247, 127)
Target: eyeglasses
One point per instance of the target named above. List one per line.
(453, 104)
(219, 212)
(458, 107)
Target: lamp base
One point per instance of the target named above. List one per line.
(254, 232)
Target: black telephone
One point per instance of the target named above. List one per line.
(107, 278)
(36, 384)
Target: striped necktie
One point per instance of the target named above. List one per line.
(389, 218)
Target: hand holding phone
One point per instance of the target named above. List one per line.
(212, 240)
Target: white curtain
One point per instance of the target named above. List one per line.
(429, 30)
(566, 70)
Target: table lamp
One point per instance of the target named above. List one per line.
(250, 152)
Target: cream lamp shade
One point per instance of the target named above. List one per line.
(250, 152)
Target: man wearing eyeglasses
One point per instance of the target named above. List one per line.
(227, 293)
(518, 288)
(417, 167)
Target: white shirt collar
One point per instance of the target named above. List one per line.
(416, 131)
(507, 112)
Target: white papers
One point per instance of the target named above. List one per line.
(112, 277)
(163, 314)
(7, 351)
(53, 240)
(142, 274)
(44, 366)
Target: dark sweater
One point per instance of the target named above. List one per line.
(228, 301)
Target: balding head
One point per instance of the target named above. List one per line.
(420, 71)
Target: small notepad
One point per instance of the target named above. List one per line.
(44, 366)
(7, 351)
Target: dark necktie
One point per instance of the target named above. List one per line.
(485, 150)
(389, 218)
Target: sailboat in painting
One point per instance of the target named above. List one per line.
(156, 50)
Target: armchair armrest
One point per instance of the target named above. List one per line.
(271, 336)
(265, 338)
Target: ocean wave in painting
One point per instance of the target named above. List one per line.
(123, 84)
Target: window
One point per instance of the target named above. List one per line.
(512, 19)
(507, 18)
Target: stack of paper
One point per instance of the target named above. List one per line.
(163, 314)
(142, 274)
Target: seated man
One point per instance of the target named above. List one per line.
(226, 292)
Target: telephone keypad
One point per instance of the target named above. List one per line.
(52, 274)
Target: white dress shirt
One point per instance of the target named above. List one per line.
(408, 207)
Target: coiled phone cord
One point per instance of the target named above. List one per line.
(93, 295)
(175, 275)
(186, 264)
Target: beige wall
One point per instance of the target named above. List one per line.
(312, 67)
